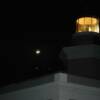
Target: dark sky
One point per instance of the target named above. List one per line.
(44, 25)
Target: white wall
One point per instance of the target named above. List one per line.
(43, 92)
(78, 92)
(59, 89)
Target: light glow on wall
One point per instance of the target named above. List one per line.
(87, 24)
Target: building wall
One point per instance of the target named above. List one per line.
(82, 60)
(47, 91)
(63, 87)
(78, 92)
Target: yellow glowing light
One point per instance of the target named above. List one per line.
(87, 24)
(87, 21)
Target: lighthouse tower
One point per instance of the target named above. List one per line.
(82, 59)
(83, 56)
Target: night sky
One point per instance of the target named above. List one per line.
(47, 26)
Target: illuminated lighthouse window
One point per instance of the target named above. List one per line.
(87, 24)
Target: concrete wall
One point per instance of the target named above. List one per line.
(43, 88)
(78, 92)
(61, 88)
(82, 60)
(41, 92)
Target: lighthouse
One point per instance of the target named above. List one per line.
(82, 59)
(83, 56)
